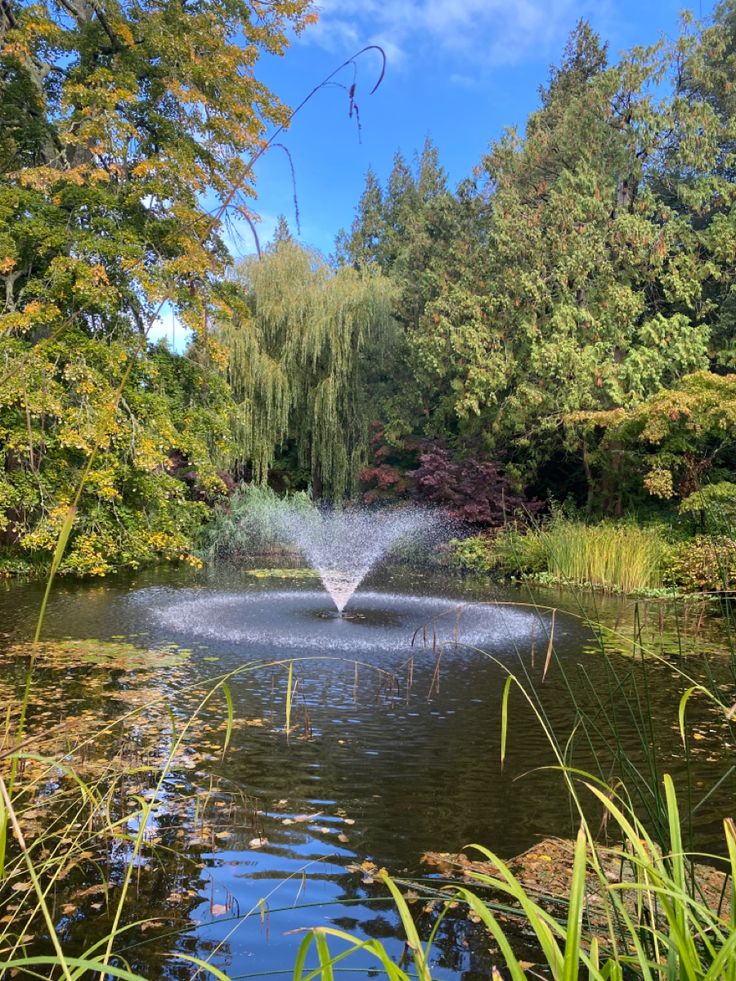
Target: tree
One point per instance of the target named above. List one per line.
(592, 293)
(408, 229)
(120, 125)
(363, 246)
(304, 346)
(584, 57)
(676, 442)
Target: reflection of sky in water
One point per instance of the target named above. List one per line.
(405, 740)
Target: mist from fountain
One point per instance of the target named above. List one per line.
(343, 545)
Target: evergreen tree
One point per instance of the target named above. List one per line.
(591, 295)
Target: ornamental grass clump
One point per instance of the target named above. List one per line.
(613, 556)
(619, 557)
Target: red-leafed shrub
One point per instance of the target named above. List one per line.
(474, 491)
(388, 475)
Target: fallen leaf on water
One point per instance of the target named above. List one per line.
(151, 925)
(257, 842)
(217, 909)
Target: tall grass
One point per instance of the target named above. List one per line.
(246, 525)
(614, 556)
(608, 555)
(657, 928)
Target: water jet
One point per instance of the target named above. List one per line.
(342, 545)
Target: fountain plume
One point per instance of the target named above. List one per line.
(343, 545)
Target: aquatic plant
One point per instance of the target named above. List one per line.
(246, 525)
(649, 918)
(610, 555)
(636, 900)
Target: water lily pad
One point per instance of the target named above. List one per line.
(283, 573)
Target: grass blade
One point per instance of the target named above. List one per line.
(505, 716)
(571, 962)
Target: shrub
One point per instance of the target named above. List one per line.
(707, 563)
(471, 490)
(474, 553)
(713, 506)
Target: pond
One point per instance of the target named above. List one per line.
(392, 748)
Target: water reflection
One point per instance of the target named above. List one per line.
(393, 750)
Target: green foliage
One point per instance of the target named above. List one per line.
(614, 556)
(474, 553)
(245, 524)
(586, 269)
(300, 344)
(118, 129)
(410, 230)
(167, 441)
(706, 563)
(568, 313)
(714, 505)
(672, 444)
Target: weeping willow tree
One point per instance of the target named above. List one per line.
(302, 344)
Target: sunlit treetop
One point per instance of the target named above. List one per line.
(121, 125)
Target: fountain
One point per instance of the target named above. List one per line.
(342, 546)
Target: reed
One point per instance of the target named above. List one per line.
(607, 555)
(618, 556)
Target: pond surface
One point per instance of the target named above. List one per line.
(393, 748)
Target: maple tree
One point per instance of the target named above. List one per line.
(126, 131)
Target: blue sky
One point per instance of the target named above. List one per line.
(459, 71)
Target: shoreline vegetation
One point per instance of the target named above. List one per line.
(616, 557)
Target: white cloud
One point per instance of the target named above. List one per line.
(486, 32)
(463, 81)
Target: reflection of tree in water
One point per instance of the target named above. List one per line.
(102, 748)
